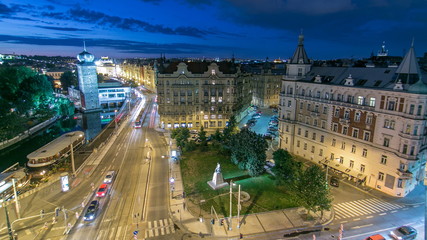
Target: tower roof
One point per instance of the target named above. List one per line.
(408, 69)
(300, 56)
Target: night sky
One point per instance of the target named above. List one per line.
(202, 28)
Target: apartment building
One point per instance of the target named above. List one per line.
(367, 123)
(195, 94)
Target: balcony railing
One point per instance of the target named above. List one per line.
(404, 174)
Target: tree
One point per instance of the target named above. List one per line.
(248, 151)
(181, 136)
(286, 169)
(229, 130)
(216, 138)
(68, 79)
(311, 190)
(202, 137)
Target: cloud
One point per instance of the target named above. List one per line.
(124, 46)
(67, 29)
(5, 10)
(88, 16)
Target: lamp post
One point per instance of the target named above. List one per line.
(231, 205)
(18, 212)
(115, 119)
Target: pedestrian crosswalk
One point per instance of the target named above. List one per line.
(363, 207)
(159, 227)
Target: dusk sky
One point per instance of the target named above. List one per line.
(204, 28)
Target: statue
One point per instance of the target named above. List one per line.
(217, 180)
(218, 168)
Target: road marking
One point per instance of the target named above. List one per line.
(369, 217)
(117, 153)
(382, 214)
(362, 226)
(343, 221)
(356, 219)
(118, 231)
(393, 211)
(111, 234)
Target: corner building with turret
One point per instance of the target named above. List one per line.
(366, 123)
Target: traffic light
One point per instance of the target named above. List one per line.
(41, 213)
(57, 211)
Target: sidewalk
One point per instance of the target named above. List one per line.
(290, 220)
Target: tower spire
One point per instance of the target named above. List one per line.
(84, 46)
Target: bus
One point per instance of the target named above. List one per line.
(138, 121)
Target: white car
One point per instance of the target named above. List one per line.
(109, 177)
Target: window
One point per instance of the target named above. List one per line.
(315, 122)
(372, 102)
(391, 105)
(343, 145)
(322, 138)
(384, 159)
(362, 168)
(286, 140)
(318, 94)
(350, 99)
(353, 149)
(355, 133)
(345, 130)
(308, 107)
(306, 133)
(332, 156)
(333, 142)
(337, 113)
(316, 108)
(321, 152)
(365, 152)
(367, 136)
(305, 146)
(357, 116)
(299, 131)
(341, 159)
(314, 136)
(346, 114)
(298, 143)
(369, 119)
(351, 164)
(415, 132)
(411, 109)
(289, 103)
(420, 107)
(412, 151)
(313, 149)
(301, 105)
(399, 183)
(287, 128)
(360, 100)
(324, 125)
(386, 142)
(335, 127)
(325, 110)
(408, 128)
(380, 176)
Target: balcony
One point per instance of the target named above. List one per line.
(409, 136)
(404, 174)
(314, 114)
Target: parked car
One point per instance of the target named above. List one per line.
(91, 211)
(256, 115)
(271, 128)
(272, 124)
(194, 131)
(375, 237)
(404, 233)
(335, 182)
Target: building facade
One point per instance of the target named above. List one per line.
(142, 72)
(196, 94)
(369, 124)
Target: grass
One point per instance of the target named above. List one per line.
(198, 168)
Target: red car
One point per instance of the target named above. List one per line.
(102, 191)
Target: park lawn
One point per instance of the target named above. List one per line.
(198, 168)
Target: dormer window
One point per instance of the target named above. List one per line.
(213, 72)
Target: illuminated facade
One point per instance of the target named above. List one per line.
(88, 82)
(199, 94)
(142, 73)
(367, 123)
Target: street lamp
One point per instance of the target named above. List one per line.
(115, 119)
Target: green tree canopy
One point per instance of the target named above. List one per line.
(202, 137)
(286, 169)
(311, 190)
(68, 79)
(181, 136)
(248, 151)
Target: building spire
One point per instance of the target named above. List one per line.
(300, 56)
(84, 46)
(409, 71)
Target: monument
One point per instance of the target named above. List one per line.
(217, 180)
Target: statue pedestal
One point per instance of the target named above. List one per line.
(217, 181)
